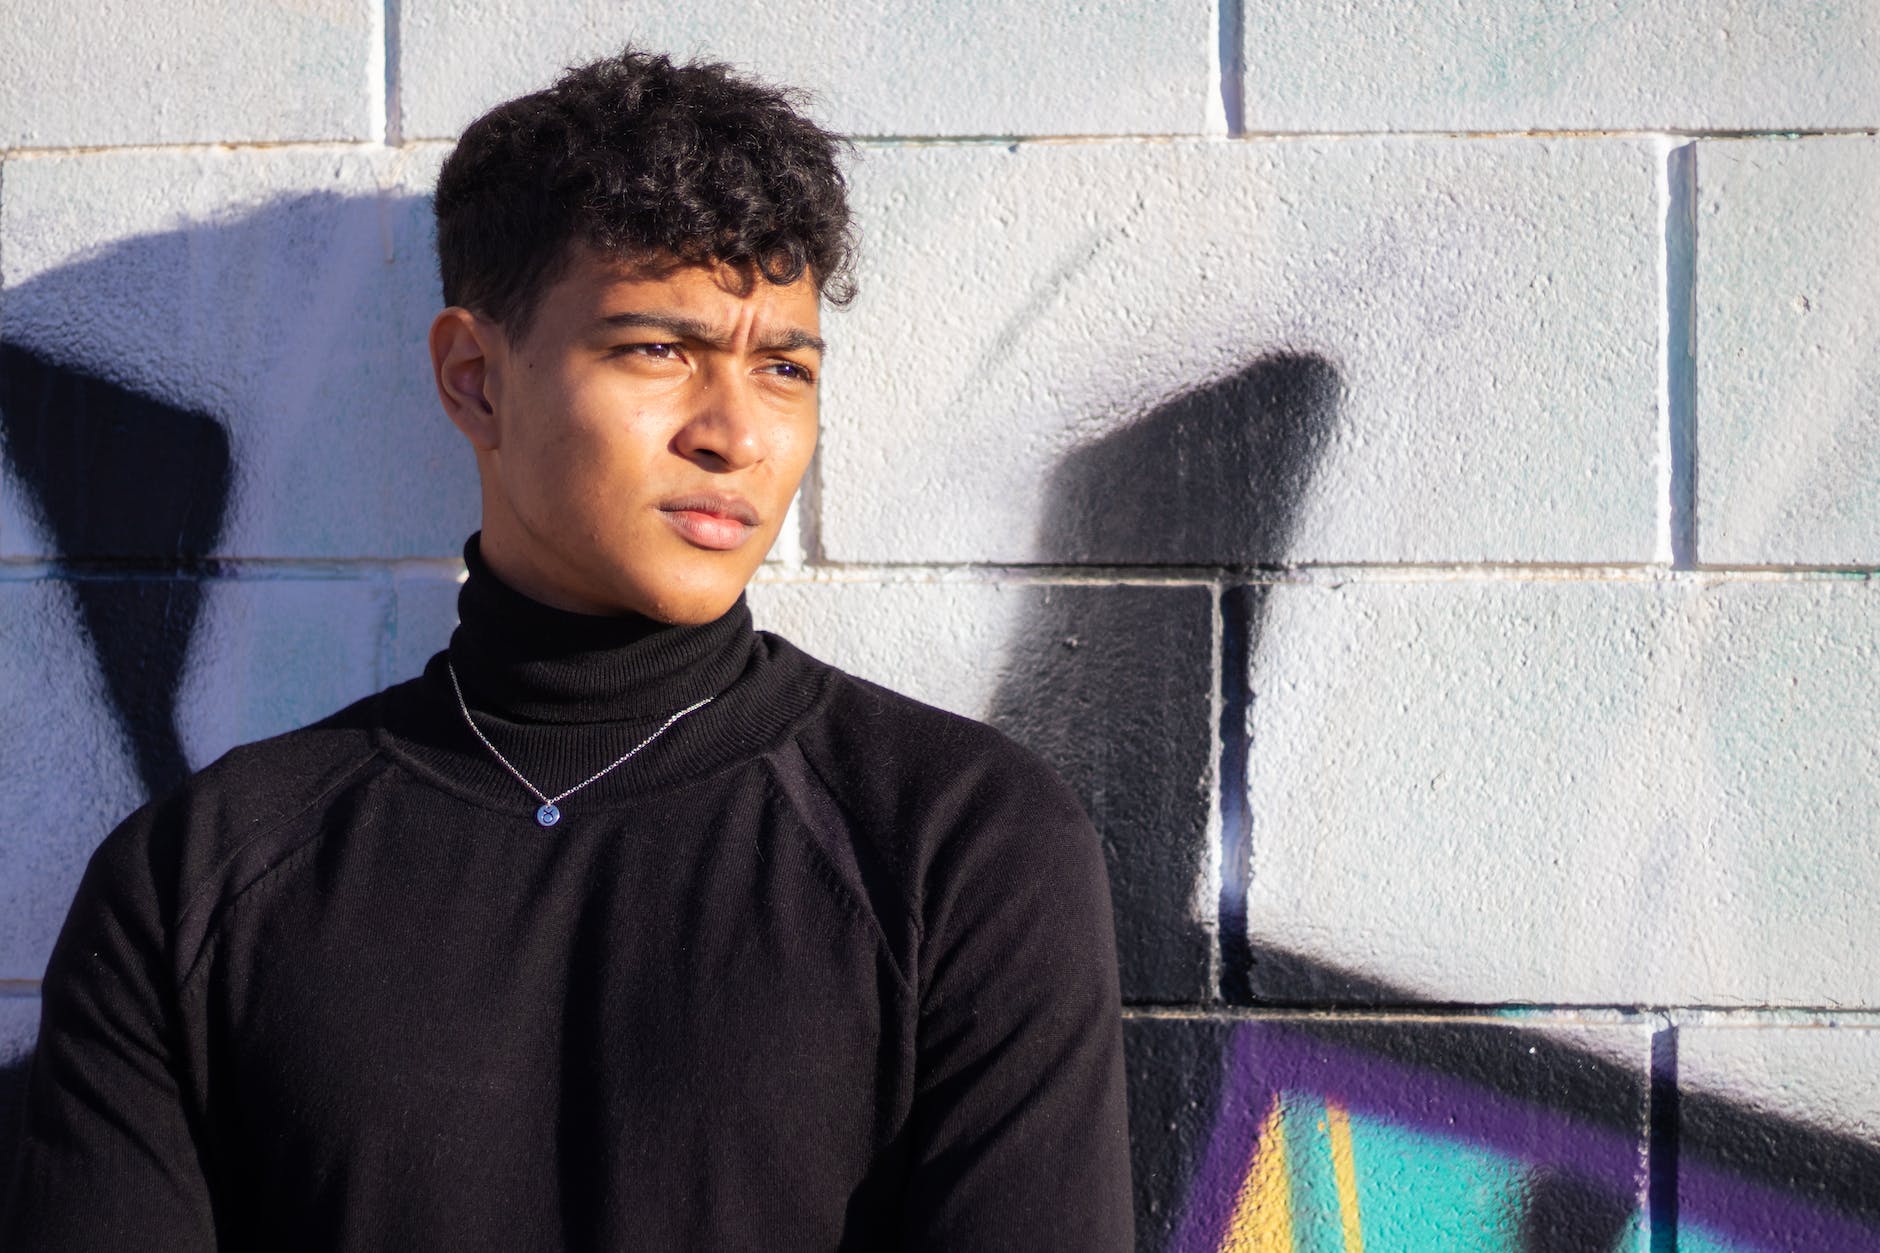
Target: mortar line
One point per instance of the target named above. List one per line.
(1789, 1018)
(225, 569)
(389, 625)
(1663, 546)
(1678, 358)
(1661, 1141)
(1327, 575)
(374, 86)
(27, 567)
(809, 517)
(55, 151)
(1539, 1016)
(1228, 61)
(391, 14)
(1236, 616)
(1008, 139)
(1211, 889)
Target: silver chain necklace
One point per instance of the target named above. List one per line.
(548, 815)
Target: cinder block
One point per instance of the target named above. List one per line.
(19, 1027)
(70, 772)
(1779, 1135)
(118, 686)
(229, 349)
(1788, 359)
(1251, 352)
(788, 550)
(426, 615)
(19, 532)
(1112, 685)
(1565, 793)
(873, 68)
(942, 643)
(273, 654)
(1296, 1133)
(85, 75)
(1331, 65)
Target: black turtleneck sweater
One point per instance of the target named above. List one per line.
(821, 968)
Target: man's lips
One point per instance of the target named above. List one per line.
(711, 520)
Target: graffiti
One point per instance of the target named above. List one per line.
(130, 417)
(1399, 1126)
(132, 493)
(1325, 1137)
(1258, 1122)
(1423, 1131)
(1111, 684)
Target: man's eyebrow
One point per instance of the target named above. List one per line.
(793, 340)
(679, 326)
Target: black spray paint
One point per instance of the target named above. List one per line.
(131, 491)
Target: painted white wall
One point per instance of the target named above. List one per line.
(1500, 750)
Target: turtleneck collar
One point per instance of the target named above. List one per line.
(529, 662)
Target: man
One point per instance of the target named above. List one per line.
(624, 926)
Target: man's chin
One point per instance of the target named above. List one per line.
(688, 603)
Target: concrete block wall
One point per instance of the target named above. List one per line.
(1412, 469)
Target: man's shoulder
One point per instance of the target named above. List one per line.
(950, 827)
(873, 736)
(915, 777)
(199, 837)
(268, 778)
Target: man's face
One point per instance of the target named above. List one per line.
(640, 444)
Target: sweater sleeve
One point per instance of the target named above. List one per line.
(107, 1160)
(1019, 1130)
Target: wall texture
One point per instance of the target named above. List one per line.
(1415, 470)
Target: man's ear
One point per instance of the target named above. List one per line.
(462, 345)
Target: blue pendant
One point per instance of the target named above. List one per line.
(548, 815)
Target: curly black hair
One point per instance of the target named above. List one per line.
(637, 157)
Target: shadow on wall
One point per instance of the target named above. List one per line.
(162, 401)
(1432, 1132)
(1236, 1124)
(1330, 1134)
(123, 486)
(12, 1094)
(1113, 685)
(1214, 476)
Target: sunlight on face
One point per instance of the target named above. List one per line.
(649, 432)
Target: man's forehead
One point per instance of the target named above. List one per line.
(617, 289)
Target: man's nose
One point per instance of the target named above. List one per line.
(723, 431)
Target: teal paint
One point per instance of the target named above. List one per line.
(1418, 1192)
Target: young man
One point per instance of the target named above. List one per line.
(624, 927)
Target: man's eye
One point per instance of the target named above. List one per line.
(656, 352)
(791, 370)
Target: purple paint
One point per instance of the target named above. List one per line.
(1244, 1104)
(1758, 1216)
(1264, 1058)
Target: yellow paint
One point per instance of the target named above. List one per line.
(1262, 1221)
(1345, 1172)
